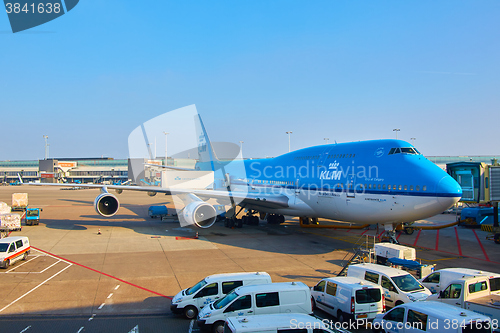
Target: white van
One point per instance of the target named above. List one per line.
(431, 317)
(440, 279)
(399, 286)
(284, 297)
(13, 249)
(189, 301)
(348, 298)
(278, 323)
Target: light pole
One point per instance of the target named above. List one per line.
(290, 132)
(241, 148)
(46, 137)
(166, 156)
(396, 130)
(412, 141)
(326, 139)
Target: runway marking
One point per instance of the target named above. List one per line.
(458, 242)
(51, 266)
(27, 328)
(105, 274)
(92, 317)
(110, 295)
(41, 284)
(437, 240)
(416, 239)
(116, 288)
(81, 329)
(191, 324)
(101, 306)
(481, 245)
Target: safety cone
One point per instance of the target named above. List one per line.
(99, 231)
(196, 236)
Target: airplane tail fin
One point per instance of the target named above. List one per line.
(206, 154)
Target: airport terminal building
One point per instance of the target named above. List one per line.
(118, 171)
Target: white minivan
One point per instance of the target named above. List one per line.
(284, 297)
(278, 323)
(13, 249)
(348, 298)
(399, 286)
(440, 279)
(431, 316)
(189, 301)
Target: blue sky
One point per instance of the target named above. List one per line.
(343, 70)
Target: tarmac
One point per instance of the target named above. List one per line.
(75, 278)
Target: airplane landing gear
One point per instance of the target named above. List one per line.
(275, 219)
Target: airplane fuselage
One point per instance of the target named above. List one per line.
(379, 181)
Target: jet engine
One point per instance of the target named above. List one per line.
(106, 204)
(199, 213)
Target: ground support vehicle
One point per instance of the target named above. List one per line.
(191, 300)
(431, 317)
(441, 279)
(13, 249)
(277, 323)
(284, 297)
(472, 293)
(399, 286)
(348, 298)
(158, 211)
(32, 216)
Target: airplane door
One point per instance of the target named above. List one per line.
(351, 184)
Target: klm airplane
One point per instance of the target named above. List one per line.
(368, 182)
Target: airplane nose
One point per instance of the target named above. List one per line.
(448, 192)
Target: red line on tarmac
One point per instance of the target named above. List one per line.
(416, 239)
(349, 230)
(481, 245)
(111, 276)
(380, 234)
(458, 242)
(437, 239)
(399, 235)
(364, 232)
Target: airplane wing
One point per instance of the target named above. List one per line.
(257, 200)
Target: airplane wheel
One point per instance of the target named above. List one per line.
(497, 238)
(230, 223)
(239, 223)
(305, 220)
(244, 219)
(255, 220)
(409, 230)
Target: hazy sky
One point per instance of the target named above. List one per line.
(346, 70)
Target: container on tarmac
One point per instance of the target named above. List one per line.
(384, 251)
(19, 201)
(10, 222)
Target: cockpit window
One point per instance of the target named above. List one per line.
(404, 150)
